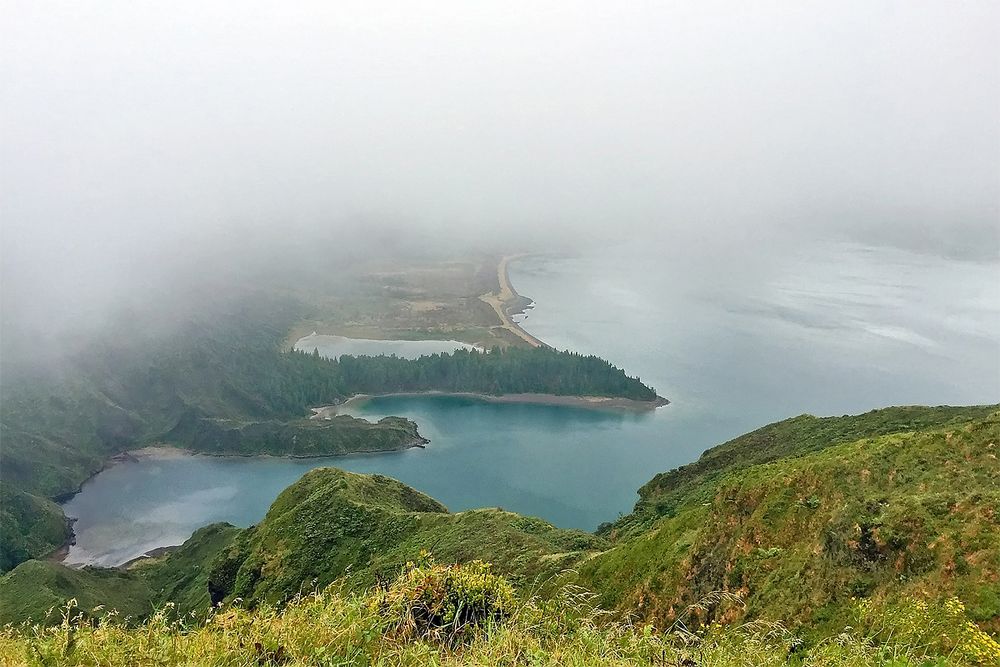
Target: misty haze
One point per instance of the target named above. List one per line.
(682, 317)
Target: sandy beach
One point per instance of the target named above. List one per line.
(502, 301)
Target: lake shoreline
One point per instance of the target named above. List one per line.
(588, 402)
(59, 554)
(159, 452)
(167, 452)
(504, 302)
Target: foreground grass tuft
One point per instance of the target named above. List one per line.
(444, 603)
(466, 615)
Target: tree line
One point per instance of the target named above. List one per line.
(499, 371)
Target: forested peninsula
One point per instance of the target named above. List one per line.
(513, 370)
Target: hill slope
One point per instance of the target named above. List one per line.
(802, 516)
(38, 591)
(331, 523)
(328, 525)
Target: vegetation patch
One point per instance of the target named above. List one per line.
(333, 627)
(444, 603)
(800, 535)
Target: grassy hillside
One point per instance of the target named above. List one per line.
(181, 576)
(466, 615)
(34, 525)
(861, 540)
(895, 502)
(797, 436)
(327, 526)
(332, 523)
(36, 590)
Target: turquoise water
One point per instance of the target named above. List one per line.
(337, 346)
(733, 342)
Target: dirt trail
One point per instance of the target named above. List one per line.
(502, 300)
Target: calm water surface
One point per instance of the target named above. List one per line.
(734, 343)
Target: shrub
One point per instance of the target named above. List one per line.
(444, 603)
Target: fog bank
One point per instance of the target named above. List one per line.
(152, 143)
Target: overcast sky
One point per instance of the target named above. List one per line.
(132, 131)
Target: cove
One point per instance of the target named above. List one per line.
(522, 457)
(734, 343)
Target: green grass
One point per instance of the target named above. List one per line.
(330, 525)
(798, 436)
(465, 615)
(333, 524)
(181, 576)
(907, 513)
(36, 591)
(32, 525)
